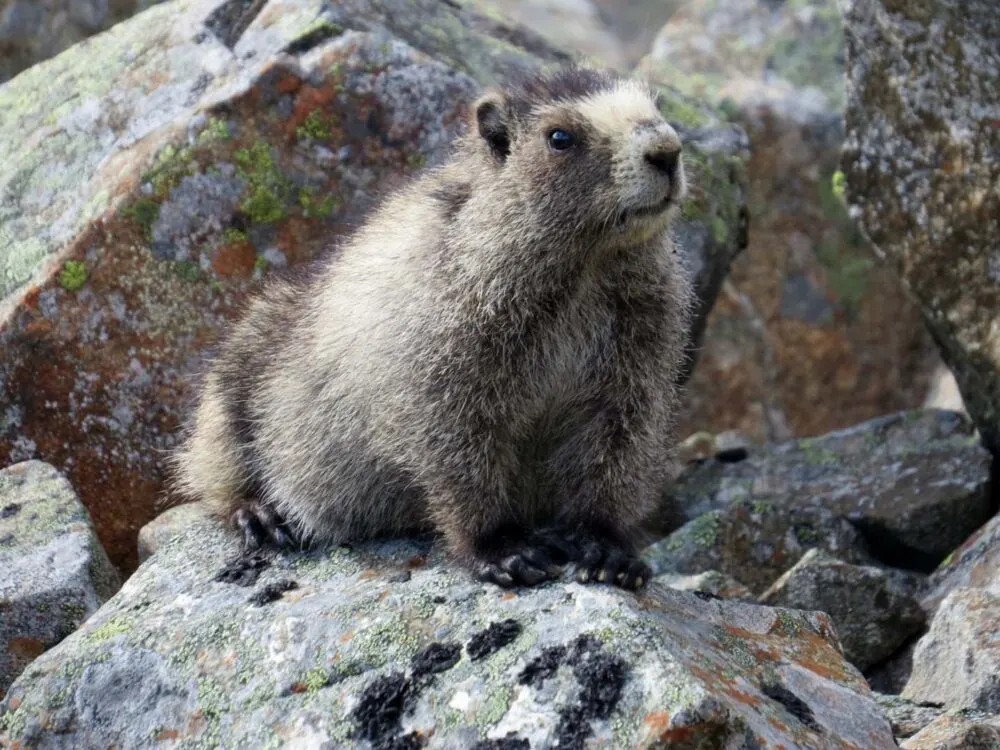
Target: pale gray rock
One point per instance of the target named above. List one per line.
(386, 644)
(957, 662)
(710, 584)
(53, 572)
(906, 717)
(961, 730)
(976, 564)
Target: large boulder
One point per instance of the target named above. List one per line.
(170, 163)
(53, 571)
(35, 30)
(914, 484)
(810, 334)
(388, 643)
(922, 161)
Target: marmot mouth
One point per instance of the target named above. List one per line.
(634, 213)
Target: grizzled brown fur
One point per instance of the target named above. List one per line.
(492, 356)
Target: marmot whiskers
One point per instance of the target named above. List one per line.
(492, 356)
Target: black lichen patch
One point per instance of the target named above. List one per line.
(436, 658)
(379, 713)
(510, 742)
(494, 638)
(9, 511)
(243, 571)
(402, 576)
(795, 705)
(602, 678)
(272, 592)
(543, 666)
(319, 33)
(707, 596)
(732, 455)
(230, 19)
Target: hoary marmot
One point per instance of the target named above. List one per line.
(493, 355)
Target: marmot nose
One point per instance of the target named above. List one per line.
(664, 159)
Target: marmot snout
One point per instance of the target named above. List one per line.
(492, 356)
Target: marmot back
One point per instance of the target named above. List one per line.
(492, 356)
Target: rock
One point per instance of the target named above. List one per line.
(891, 675)
(32, 31)
(710, 584)
(810, 334)
(873, 614)
(916, 484)
(53, 572)
(385, 642)
(976, 564)
(573, 25)
(957, 662)
(958, 731)
(167, 526)
(922, 162)
(172, 162)
(754, 541)
(905, 717)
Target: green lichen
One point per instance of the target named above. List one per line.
(144, 212)
(816, 455)
(171, 166)
(316, 208)
(216, 130)
(676, 110)
(720, 232)
(268, 193)
(704, 529)
(791, 625)
(315, 126)
(316, 679)
(838, 183)
(233, 236)
(260, 264)
(73, 275)
(187, 270)
(417, 160)
(118, 625)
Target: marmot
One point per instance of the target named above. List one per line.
(493, 355)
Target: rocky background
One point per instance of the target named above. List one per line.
(827, 562)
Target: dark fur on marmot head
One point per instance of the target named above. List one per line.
(493, 355)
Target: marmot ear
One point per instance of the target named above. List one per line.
(494, 122)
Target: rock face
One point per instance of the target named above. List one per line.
(53, 572)
(958, 661)
(873, 612)
(810, 334)
(915, 484)
(976, 564)
(35, 30)
(385, 643)
(172, 162)
(922, 160)
(958, 731)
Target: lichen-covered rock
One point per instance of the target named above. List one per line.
(809, 334)
(976, 564)
(755, 541)
(874, 613)
(166, 527)
(961, 730)
(906, 717)
(916, 484)
(711, 583)
(957, 662)
(922, 161)
(53, 572)
(170, 163)
(35, 30)
(387, 643)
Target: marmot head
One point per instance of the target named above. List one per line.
(585, 151)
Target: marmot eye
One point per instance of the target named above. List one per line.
(560, 140)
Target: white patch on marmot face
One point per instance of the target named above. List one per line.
(615, 112)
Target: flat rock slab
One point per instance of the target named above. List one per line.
(168, 165)
(957, 662)
(915, 484)
(385, 644)
(53, 572)
(873, 612)
(958, 731)
(922, 161)
(976, 564)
